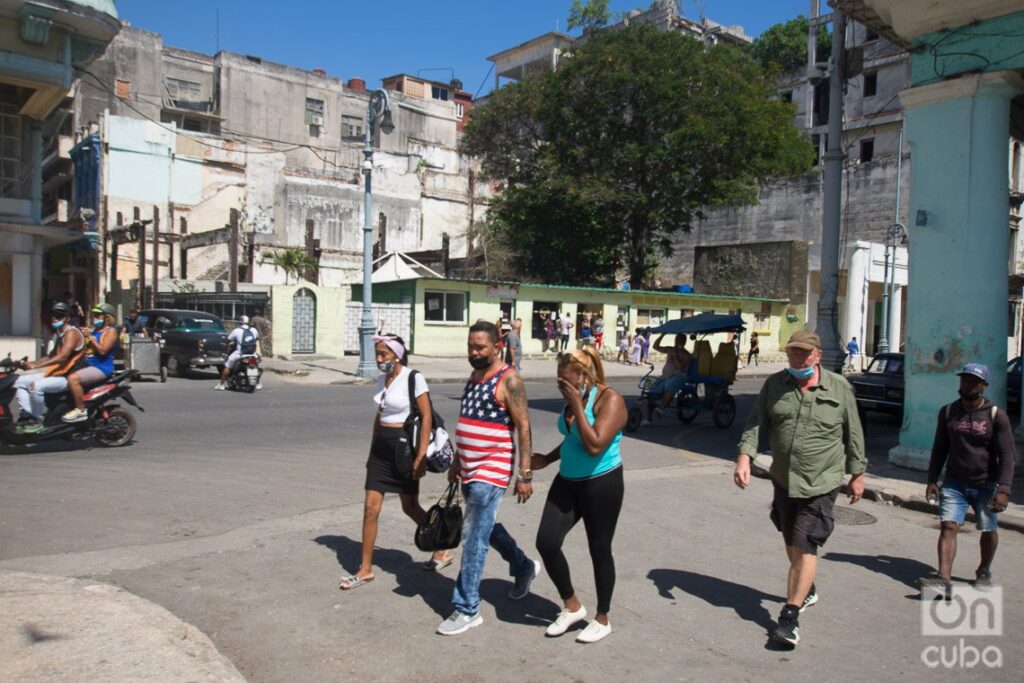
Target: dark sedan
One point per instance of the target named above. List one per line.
(880, 387)
(188, 339)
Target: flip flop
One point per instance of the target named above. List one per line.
(353, 581)
(433, 565)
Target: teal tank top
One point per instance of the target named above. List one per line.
(575, 461)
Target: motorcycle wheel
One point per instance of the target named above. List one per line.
(634, 418)
(163, 374)
(117, 430)
(687, 410)
(723, 411)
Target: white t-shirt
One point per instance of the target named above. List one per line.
(566, 324)
(394, 400)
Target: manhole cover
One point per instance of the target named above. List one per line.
(844, 515)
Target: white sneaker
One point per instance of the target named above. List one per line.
(75, 415)
(564, 620)
(594, 632)
(459, 623)
(259, 387)
(219, 387)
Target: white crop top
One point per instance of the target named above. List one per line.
(394, 400)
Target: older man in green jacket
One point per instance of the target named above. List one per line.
(810, 417)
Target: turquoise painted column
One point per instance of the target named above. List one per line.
(958, 267)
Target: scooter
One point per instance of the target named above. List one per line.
(108, 423)
(246, 374)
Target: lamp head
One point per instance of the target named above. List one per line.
(386, 124)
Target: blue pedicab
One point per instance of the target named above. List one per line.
(708, 377)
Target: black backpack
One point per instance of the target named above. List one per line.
(248, 340)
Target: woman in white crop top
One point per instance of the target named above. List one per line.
(382, 473)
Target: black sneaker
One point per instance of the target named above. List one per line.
(811, 599)
(983, 577)
(788, 630)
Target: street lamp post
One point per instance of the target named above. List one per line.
(378, 113)
(893, 234)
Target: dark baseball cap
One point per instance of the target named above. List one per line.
(975, 370)
(804, 339)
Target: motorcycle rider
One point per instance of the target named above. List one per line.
(243, 339)
(64, 358)
(100, 343)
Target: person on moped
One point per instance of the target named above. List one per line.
(673, 374)
(100, 346)
(68, 348)
(243, 340)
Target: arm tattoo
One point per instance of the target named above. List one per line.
(515, 391)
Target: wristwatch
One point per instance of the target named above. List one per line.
(525, 476)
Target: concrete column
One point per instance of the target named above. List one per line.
(958, 215)
(855, 306)
(896, 319)
(35, 191)
(21, 306)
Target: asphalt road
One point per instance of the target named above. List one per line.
(238, 513)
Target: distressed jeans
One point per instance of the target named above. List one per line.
(30, 390)
(479, 531)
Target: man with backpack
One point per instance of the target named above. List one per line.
(243, 341)
(974, 441)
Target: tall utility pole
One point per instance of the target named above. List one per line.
(827, 327)
(156, 256)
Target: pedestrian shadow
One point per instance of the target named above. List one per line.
(901, 569)
(744, 600)
(533, 610)
(434, 588)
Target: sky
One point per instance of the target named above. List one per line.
(373, 40)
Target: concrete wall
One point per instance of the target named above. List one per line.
(330, 318)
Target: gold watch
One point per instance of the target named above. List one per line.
(525, 476)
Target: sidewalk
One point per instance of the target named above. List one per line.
(60, 629)
(456, 369)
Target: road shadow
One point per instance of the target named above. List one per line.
(435, 588)
(744, 600)
(901, 569)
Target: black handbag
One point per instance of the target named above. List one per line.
(441, 527)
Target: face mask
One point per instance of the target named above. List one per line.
(970, 397)
(98, 323)
(801, 373)
(386, 367)
(480, 363)
(57, 324)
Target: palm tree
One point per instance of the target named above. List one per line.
(293, 261)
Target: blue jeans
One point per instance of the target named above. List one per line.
(957, 497)
(478, 531)
(672, 384)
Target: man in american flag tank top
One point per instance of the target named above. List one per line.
(493, 406)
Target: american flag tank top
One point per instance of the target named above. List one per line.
(483, 435)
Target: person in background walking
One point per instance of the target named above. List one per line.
(514, 346)
(636, 350)
(810, 418)
(550, 343)
(853, 348)
(493, 406)
(599, 333)
(262, 325)
(566, 324)
(974, 443)
(755, 349)
(382, 470)
(586, 331)
(625, 346)
(588, 486)
(645, 349)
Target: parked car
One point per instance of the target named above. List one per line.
(188, 339)
(880, 386)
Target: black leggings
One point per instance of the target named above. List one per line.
(597, 501)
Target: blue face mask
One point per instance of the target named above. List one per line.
(801, 373)
(98, 323)
(57, 324)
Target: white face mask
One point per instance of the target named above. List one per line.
(386, 367)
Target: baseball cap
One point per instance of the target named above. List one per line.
(804, 339)
(975, 369)
(105, 309)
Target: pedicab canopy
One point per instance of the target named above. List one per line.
(705, 323)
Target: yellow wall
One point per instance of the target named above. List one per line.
(330, 318)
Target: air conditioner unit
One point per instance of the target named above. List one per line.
(316, 120)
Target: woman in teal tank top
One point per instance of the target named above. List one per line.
(588, 486)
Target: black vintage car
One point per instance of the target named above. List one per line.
(880, 387)
(188, 339)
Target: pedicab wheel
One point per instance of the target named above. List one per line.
(723, 411)
(117, 430)
(163, 374)
(634, 418)
(687, 410)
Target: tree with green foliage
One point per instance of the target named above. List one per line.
(588, 14)
(601, 162)
(295, 262)
(783, 47)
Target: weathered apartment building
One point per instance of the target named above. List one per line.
(184, 138)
